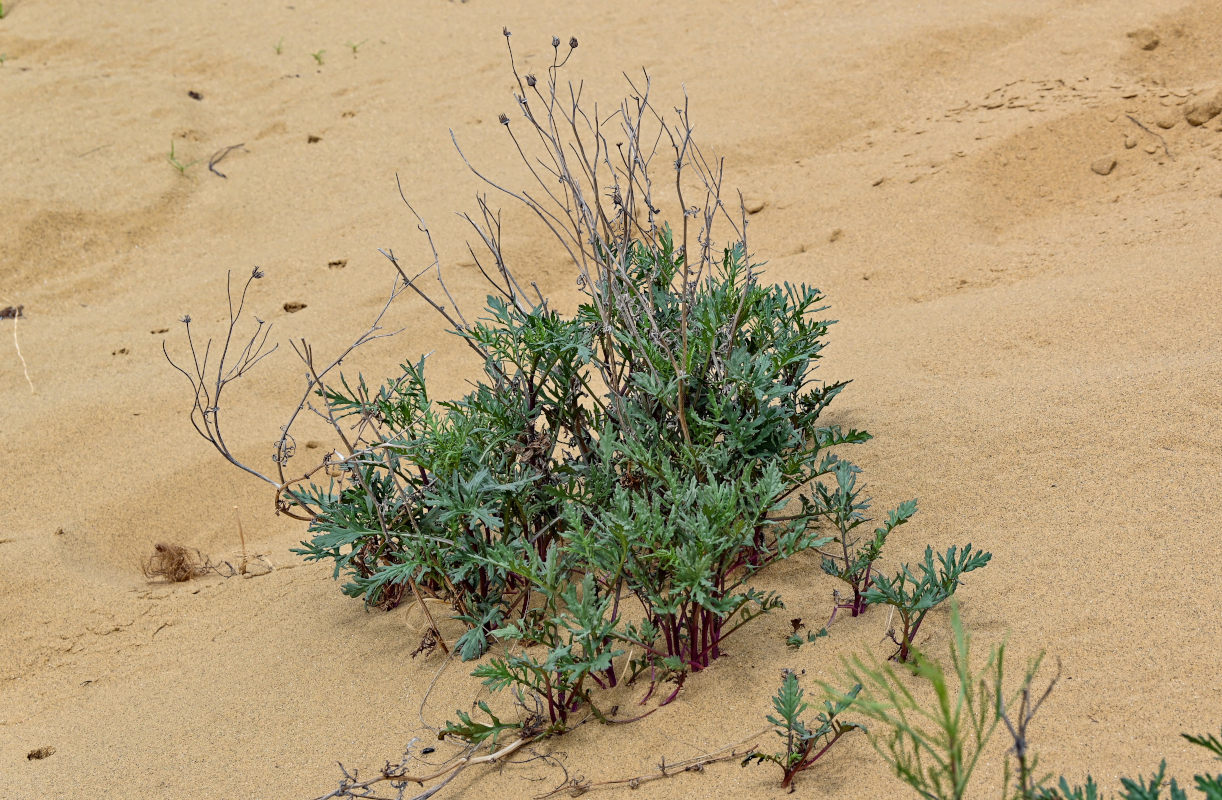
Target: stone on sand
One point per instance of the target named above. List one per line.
(1202, 109)
(1103, 166)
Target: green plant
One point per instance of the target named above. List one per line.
(1209, 785)
(796, 639)
(803, 745)
(933, 750)
(355, 47)
(597, 508)
(317, 56)
(1142, 789)
(279, 46)
(913, 598)
(854, 564)
(178, 165)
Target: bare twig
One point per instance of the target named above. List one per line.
(1155, 134)
(219, 156)
(731, 752)
(208, 385)
(1028, 706)
(398, 777)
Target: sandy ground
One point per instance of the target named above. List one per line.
(1037, 347)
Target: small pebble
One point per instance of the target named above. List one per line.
(1151, 149)
(40, 753)
(293, 306)
(1103, 166)
(1167, 120)
(1129, 143)
(754, 205)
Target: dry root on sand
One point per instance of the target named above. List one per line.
(175, 563)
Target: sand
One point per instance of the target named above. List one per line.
(1036, 346)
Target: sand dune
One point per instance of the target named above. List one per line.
(1004, 203)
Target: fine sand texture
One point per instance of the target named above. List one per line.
(1004, 202)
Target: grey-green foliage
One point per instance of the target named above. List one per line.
(805, 743)
(914, 597)
(852, 559)
(1209, 785)
(572, 473)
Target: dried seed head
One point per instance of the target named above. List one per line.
(333, 463)
(555, 41)
(186, 319)
(572, 42)
(505, 32)
(530, 81)
(503, 119)
(256, 273)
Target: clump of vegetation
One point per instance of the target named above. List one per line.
(620, 474)
(597, 508)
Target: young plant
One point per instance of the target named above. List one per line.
(1209, 785)
(854, 563)
(317, 56)
(913, 598)
(178, 165)
(804, 745)
(355, 47)
(279, 46)
(1142, 789)
(796, 639)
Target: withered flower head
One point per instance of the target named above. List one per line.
(503, 119)
(555, 41)
(572, 42)
(530, 81)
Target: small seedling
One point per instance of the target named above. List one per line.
(854, 564)
(356, 46)
(279, 46)
(798, 638)
(2, 11)
(318, 56)
(3, 58)
(803, 746)
(176, 164)
(913, 598)
(474, 732)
